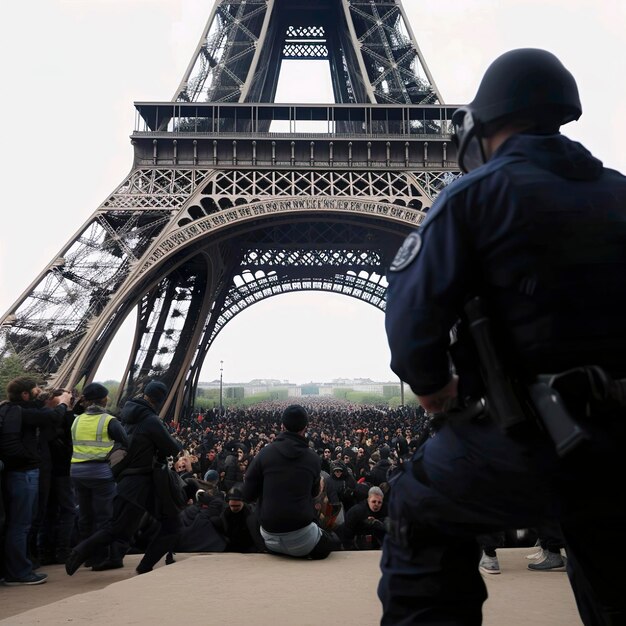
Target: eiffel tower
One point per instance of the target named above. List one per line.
(234, 198)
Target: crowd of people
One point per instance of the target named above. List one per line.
(82, 507)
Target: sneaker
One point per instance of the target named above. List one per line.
(535, 556)
(32, 579)
(551, 562)
(489, 564)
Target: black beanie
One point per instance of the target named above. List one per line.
(95, 391)
(295, 418)
(156, 391)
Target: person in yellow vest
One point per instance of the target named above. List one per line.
(94, 433)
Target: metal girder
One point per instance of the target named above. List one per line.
(371, 48)
(219, 212)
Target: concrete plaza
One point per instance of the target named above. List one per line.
(238, 589)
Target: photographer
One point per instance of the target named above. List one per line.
(22, 418)
(56, 515)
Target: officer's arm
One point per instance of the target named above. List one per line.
(424, 300)
(440, 401)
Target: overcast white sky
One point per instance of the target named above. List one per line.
(72, 69)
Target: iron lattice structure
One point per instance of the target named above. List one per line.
(233, 199)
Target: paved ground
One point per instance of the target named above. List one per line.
(238, 589)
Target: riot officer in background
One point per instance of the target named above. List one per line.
(537, 231)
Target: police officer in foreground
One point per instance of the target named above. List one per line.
(537, 231)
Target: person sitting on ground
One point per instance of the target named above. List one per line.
(285, 477)
(199, 533)
(365, 523)
(344, 484)
(238, 525)
(380, 471)
(183, 467)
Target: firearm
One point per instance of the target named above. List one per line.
(514, 406)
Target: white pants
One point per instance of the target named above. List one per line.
(294, 543)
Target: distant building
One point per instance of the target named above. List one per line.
(257, 386)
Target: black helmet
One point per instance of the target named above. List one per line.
(526, 84)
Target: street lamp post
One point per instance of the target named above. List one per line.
(401, 392)
(221, 388)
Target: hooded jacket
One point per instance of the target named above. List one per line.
(284, 477)
(148, 440)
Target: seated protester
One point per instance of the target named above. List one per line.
(210, 461)
(365, 528)
(361, 464)
(348, 462)
(238, 525)
(232, 471)
(199, 533)
(379, 472)
(212, 477)
(285, 477)
(183, 467)
(344, 484)
(327, 458)
(328, 506)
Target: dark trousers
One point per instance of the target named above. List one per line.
(56, 529)
(95, 508)
(126, 520)
(551, 536)
(2, 514)
(490, 542)
(470, 480)
(95, 503)
(45, 478)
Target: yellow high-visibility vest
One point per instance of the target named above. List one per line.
(90, 437)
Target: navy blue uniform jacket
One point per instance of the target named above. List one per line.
(540, 233)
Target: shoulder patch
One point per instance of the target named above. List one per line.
(407, 253)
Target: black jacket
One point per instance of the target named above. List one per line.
(19, 438)
(198, 531)
(284, 477)
(379, 473)
(240, 530)
(148, 440)
(360, 519)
